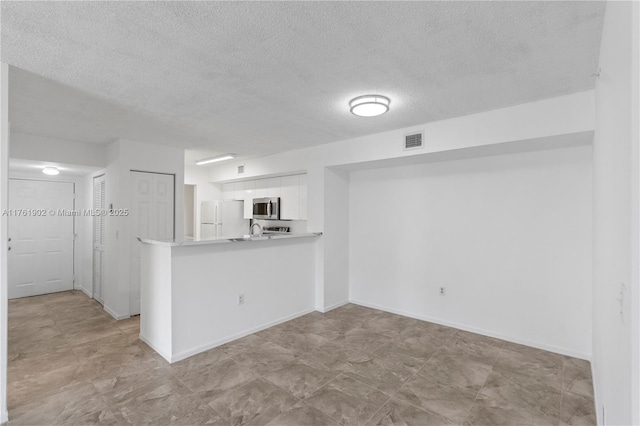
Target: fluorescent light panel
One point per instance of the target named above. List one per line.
(215, 159)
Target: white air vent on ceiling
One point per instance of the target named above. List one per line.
(240, 169)
(413, 140)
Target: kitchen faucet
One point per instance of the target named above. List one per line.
(259, 228)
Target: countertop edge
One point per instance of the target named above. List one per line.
(239, 239)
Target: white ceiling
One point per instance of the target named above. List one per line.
(255, 78)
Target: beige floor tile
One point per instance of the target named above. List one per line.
(396, 412)
(362, 340)
(542, 366)
(386, 369)
(39, 386)
(238, 346)
(129, 325)
(451, 402)
(486, 414)
(302, 415)
(347, 400)
(86, 335)
(508, 389)
(577, 409)
(256, 401)
(301, 379)
(576, 377)
(444, 368)
(76, 404)
(266, 357)
(218, 377)
(71, 363)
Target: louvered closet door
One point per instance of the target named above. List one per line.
(99, 205)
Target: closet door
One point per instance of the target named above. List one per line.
(152, 216)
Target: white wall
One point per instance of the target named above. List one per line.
(34, 147)
(336, 235)
(276, 278)
(4, 189)
(205, 190)
(508, 236)
(190, 293)
(551, 123)
(615, 219)
(122, 157)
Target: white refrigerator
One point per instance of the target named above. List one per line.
(222, 218)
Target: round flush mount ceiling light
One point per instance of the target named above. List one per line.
(51, 171)
(369, 105)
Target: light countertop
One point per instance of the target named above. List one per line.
(223, 240)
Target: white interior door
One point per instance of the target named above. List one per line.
(152, 210)
(99, 205)
(40, 257)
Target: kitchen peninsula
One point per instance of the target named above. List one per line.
(197, 295)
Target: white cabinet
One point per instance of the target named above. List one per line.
(249, 190)
(289, 197)
(292, 191)
(261, 188)
(227, 191)
(273, 187)
(302, 185)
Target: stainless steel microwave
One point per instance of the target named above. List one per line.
(266, 208)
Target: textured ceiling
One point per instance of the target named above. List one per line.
(262, 77)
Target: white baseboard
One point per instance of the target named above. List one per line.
(334, 306)
(114, 314)
(596, 403)
(85, 291)
(190, 352)
(167, 357)
(464, 327)
(4, 418)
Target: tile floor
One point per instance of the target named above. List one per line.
(71, 363)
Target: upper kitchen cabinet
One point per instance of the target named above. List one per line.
(273, 184)
(292, 191)
(249, 193)
(289, 197)
(302, 184)
(262, 188)
(228, 191)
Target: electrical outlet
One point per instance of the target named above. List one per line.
(240, 299)
(442, 291)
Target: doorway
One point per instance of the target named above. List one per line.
(152, 217)
(41, 237)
